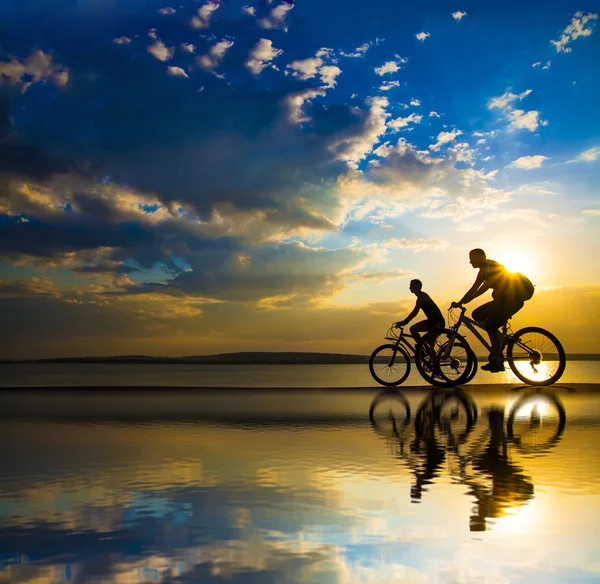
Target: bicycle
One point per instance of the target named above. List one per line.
(390, 364)
(534, 354)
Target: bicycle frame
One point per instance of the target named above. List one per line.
(471, 324)
(402, 340)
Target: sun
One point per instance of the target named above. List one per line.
(518, 261)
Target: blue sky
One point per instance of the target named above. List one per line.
(186, 171)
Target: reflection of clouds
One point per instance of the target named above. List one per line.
(216, 503)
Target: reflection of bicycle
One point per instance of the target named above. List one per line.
(536, 421)
(390, 363)
(535, 355)
(390, 413)
(446, 432)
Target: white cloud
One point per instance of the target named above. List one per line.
(507, 99)
(487, 158)
(590, 155)
(158, 50)
(399, 123)
(528, 162)
(204, 14)
(536, 189)
(445, 138)
(576, 28)
(250, 10)
(295, 101)
(276, 18)
(518, 119)
(122, 40)
(306, 68)
(354, 148)
(545, 67)
(387, 85)
(464, 153)
(422, 36)
(384, 150)
(416, 245)
(592, 212)
(177, 72)
(481, 141)
(458, 15)
(328, 73)
(211, 60)
(415, 102)
(389, 67)
(358, 52)
(434, 115)
(261, 56)
(309, 68)
(167, 10)
(522, 120)
(187, 47)
(39, 66)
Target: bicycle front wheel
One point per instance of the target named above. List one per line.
(389, 365)
(536, 356)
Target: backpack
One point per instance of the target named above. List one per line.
(523, 287)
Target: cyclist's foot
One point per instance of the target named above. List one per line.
(493, 367)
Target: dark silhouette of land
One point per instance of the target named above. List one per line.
(243, 358)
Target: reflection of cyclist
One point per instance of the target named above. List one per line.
(510, 488)
(435, 319)
(506, 302)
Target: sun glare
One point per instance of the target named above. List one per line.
(518, 261)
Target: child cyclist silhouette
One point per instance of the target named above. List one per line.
(434, 319)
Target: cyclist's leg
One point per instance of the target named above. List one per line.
(492, 316)
(419, 327)
(503, 308)
(425, 326)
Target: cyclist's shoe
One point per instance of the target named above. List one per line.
(493, 367)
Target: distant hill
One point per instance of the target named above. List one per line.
(246, 358)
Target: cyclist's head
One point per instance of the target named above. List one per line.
(477, 257)
(415, 285)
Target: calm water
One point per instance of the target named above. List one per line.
(290, 487)
(12, 375)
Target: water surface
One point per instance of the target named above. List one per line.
(295, 376)
(253, 487)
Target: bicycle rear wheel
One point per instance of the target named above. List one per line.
(441, 367)
(389, 365)
(536, 356)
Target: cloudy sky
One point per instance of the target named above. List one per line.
(203, 177)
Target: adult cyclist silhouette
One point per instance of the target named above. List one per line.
(507, 301)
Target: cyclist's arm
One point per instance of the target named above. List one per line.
(477, 289)
(413, 313)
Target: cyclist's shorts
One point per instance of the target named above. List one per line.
(495, 313)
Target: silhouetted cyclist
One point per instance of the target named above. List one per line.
(435, 319)
(506, 302)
